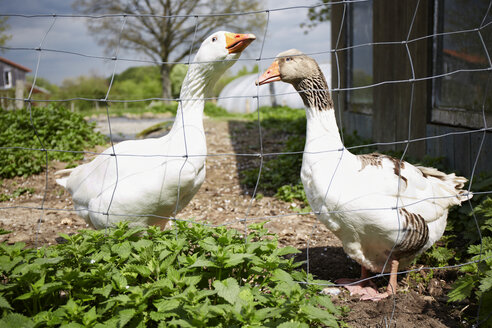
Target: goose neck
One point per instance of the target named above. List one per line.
(320, 115)
(197, 84)
(322, 124)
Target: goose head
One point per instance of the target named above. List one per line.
(303, 72)
(216, 54)
(222, 49)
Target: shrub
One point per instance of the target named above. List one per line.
(212, 110)
(55, 126)
(191, 276)
(289, 124)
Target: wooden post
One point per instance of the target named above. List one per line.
(392, 101)
(273, 98)
(337, 17)
(19, 94)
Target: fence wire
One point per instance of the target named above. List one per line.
(262, 61)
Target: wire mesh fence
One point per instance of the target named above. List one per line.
(260, 155)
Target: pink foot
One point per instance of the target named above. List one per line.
(366, 289)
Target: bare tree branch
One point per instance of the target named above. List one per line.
(164, 29)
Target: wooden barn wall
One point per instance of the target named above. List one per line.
(460, 150)
(389, 121)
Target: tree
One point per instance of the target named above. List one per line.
(163, 30)
(318, 14)
(3, 27)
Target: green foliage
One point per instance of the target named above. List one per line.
(461, 244)
(212, 110)
(4, 37)
(439, 256)
(44, 83)
(484, 211)
(318, 14)
(177, 75)
(135, 83)
(19, 191)
(192, 276)
(92, 87)
(56, 127)
(163, 107)
(138, 73)
(476, 281)
(138, 82)
(462, 228)
(289, 193)
(282, 169)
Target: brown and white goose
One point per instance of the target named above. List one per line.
(384, 211)
(147, 181)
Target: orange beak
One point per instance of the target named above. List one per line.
(272, 74)
(236, 43)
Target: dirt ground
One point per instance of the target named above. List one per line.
(38, 218)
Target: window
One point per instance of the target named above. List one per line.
(7, 79)
(359, 63)
(458, 96)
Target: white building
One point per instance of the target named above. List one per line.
(241, 95)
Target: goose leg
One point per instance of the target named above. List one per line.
(393, 283)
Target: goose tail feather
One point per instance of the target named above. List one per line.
(63, 181)
(452, 183)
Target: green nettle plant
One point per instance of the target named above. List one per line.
(189, 276)
(55, 128)
(476, 281)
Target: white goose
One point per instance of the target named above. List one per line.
(150, 180)
(384, 211)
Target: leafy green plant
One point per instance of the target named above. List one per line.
(16, 193)
(289, 193)
(476, 281)
(190, 276)
(55, 126)
(439, 255)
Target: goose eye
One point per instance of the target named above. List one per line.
(214, 39)
(288, 59)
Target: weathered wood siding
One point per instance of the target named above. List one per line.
(391, 119)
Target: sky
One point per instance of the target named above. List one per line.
(70, 35)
